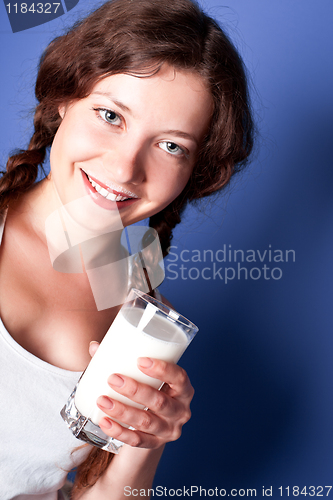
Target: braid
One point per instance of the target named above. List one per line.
(166, 220)
(21, 174)
(92, 468)
(22, 167)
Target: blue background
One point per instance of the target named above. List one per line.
(262, 361)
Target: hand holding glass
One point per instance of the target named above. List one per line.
(144, 327)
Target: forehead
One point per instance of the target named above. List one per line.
(166, 78)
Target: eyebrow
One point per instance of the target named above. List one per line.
(123, 106)
(120, 104)
(179, 133)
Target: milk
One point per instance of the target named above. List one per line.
(118, 353)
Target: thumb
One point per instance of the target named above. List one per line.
(93, 346)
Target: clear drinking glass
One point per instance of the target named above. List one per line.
(143, 327)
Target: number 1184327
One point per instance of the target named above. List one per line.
(311, 491)
(32, 8)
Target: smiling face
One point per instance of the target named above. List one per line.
(132, 143)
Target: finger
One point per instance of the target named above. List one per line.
(157, 401)
(128, 436)
(172, 374)
(93, 346)
(141, 420)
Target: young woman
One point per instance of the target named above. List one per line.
(148, 100)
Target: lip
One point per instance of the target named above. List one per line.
(125, 192)
(100, 200)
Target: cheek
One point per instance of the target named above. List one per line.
(72, 144)
(170, 184)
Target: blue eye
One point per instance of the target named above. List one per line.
(109, 116)
(172, 148)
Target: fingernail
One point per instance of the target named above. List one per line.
(105, 402)
(116, 380)
(145, 362)
(106, 423)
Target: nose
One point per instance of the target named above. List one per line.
(126, 163)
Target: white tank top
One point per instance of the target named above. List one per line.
(36, 447)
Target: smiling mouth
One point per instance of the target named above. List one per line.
(109, 194)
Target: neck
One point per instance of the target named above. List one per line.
(74, 248)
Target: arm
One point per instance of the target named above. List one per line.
(133, 467)
(136, 463)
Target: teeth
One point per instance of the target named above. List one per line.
(106, 194)
(103, 192)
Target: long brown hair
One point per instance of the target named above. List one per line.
(137, 37)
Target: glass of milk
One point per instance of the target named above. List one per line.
(143, 327)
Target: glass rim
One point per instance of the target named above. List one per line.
(180, 318)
